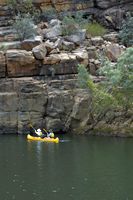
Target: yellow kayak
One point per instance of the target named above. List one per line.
(46, 139)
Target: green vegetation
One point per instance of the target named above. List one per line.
(83, 76)
(72, 23)
(48, 14)
(113, 94)
(95, 29)
(3, 47)
(24, 27)
(20, 7)
(23, 8)
(126, 32)
(69, 25)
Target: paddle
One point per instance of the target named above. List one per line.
(45, 131)
(32, 127)
(35, 129)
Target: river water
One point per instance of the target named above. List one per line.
(78, 168)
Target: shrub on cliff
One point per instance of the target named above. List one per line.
(119, 79)
(72, 23)
(126, 32)
(95, 29)
(83, 76)
(24, 27)
(22, 8)
(115, 93)
(69, 26)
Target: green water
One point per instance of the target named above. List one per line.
(78, 168)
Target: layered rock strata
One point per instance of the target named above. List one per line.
(56, 104)
(109, 12)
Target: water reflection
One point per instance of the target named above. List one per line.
(82, 168)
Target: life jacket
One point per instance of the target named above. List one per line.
(51, 134)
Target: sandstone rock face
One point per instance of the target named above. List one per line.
(61, 5)
(2, 64)
(50, 98)
(20, 63)
(109, 12)
(29, 44)
(111, 37)
(3, 2)
(59, 105)
(25, 100)
(64, 63)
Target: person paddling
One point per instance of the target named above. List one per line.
(38, 132)
(50, 134)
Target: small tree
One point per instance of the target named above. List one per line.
(126, 32)
(24, 27)
(83, 76)
(115, 93)
(120, 79)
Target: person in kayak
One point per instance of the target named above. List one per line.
(50, 134)
(39, 133)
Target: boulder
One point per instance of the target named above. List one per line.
(67, 46)
(20, 63)
(97, 41)
(40, 52)
(111, 37)
(92, 52)
(81, 56)
(49, 45)
(55, 51)
(77, 38)
(2, 64)
(52, 32)
(54, 22)
(113, 51)
(58, 43)
(29, 44)
(92, 69)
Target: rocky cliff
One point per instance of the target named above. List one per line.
(56, 104)
(38, 80)
(48, 104)
(109, 12)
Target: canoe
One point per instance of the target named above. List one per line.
(46, 139)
